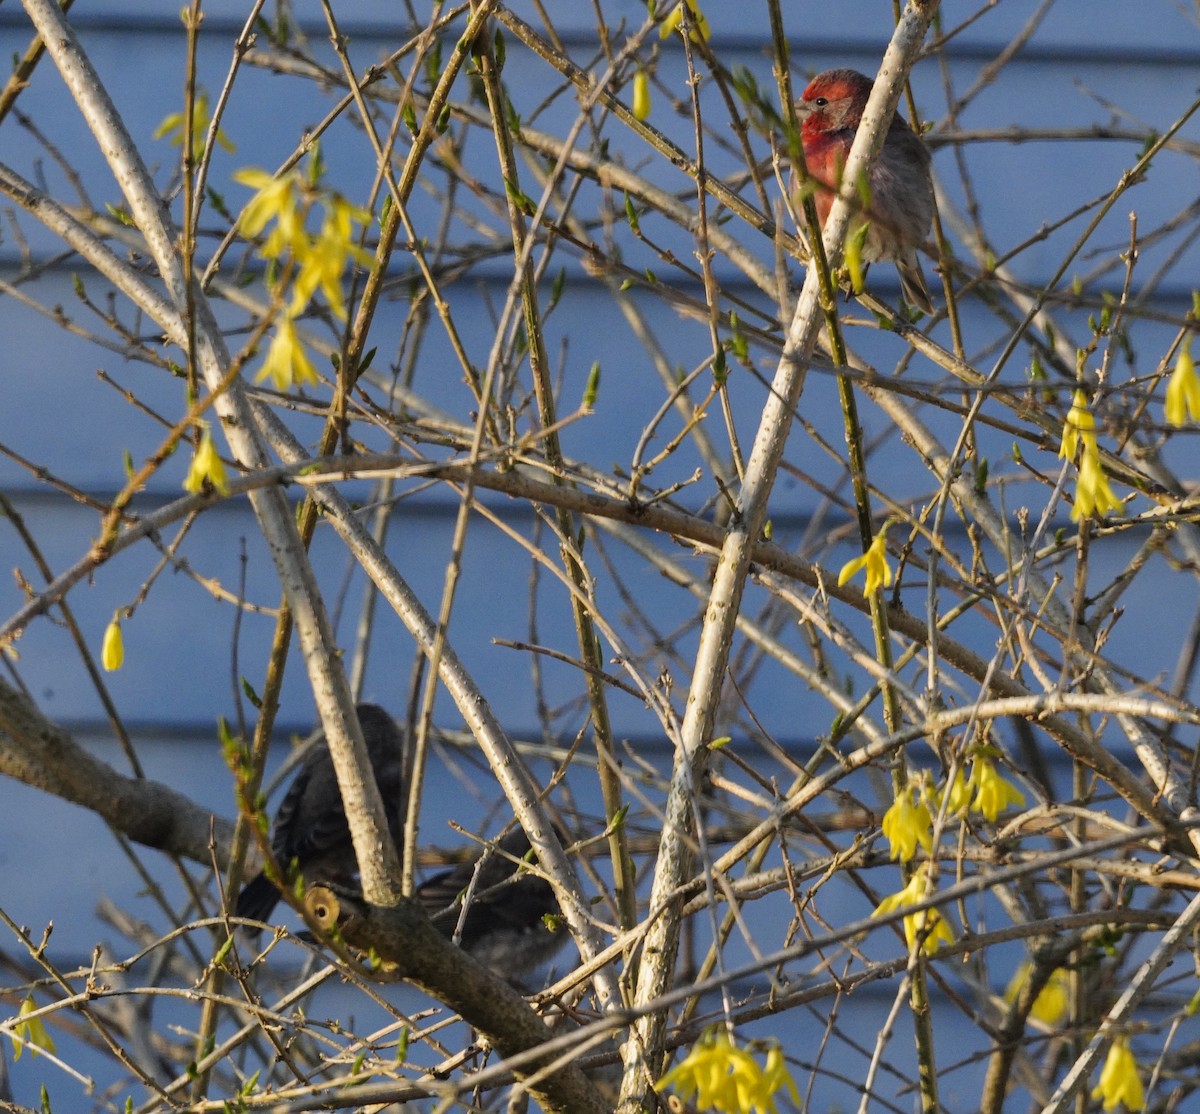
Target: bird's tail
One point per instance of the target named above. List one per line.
(258, 898)
(912, 283)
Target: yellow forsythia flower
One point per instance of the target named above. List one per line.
(928, 926)
(1050, 1006)
(641, 94)
(698, 25)
(112, 649)
(1093, 494)
(172, 126)
(908, 823)
(958, 793)
(276, 199)
(1079, 425)
(319, 260)
(1183, 390)
(32, 1030)
(993, 792)
(207, 467)
(286, 361)
(1119, 1080)
(722, 1077)
(874, 561)
(324, 258)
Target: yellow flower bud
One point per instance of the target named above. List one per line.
(641, 95)
(112, 650)
(698, 27)
(1183, 390)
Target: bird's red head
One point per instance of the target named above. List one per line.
(833, 101)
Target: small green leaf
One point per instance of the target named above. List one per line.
(556, 288)
(217, 200)
(738, 344)
(519, 199)
(981, 477)
(120, 215)
(512, 115)
(223, 951)
(593, 387)
(863, 188)
(720, 367)
(433, 63)
(316, 165)
(855, 244)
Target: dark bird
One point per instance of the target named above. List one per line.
(311, 835)
(501, 921)
(502, 925)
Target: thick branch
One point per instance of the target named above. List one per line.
(41, 754)
(643, 1053)
(407, 943)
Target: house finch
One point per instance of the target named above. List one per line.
(311, 833)
(900, 203)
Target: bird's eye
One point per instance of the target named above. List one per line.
(821, 102)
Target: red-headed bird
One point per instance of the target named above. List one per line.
(900, 205)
